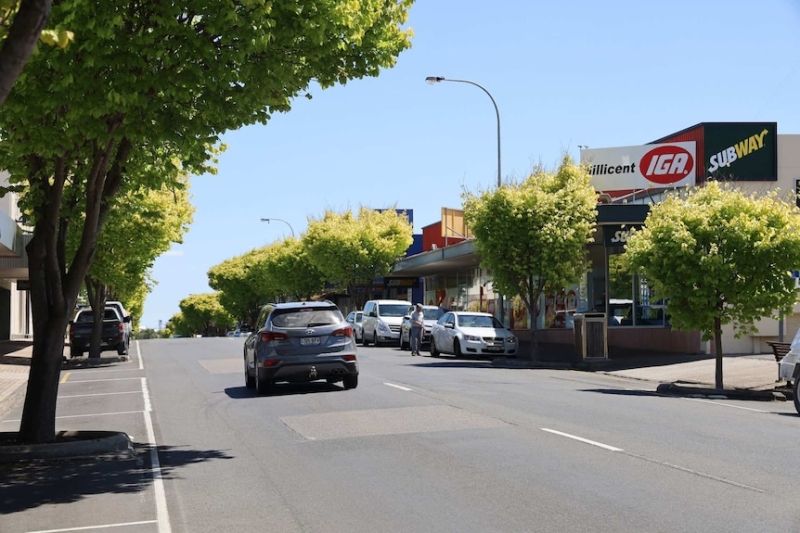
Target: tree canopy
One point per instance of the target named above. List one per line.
(719, 256)
(202, 313)
(351, 250)
(532, 235)
(140, 98)
(242, 286)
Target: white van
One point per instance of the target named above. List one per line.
(381, 321)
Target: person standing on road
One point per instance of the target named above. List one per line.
(417, 323)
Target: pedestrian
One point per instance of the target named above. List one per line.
(417, 323)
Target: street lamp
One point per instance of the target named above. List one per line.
(268, 220)
(437, 79)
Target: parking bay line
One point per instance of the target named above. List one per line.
(89, 528)
(99, 394)
(655, 461)
(100, 380)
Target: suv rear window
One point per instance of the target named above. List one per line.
(88, 316)
(304, 318)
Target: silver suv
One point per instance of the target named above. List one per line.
(300, 342)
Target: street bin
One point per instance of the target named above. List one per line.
(591, 335)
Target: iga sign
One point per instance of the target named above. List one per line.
(641, 167)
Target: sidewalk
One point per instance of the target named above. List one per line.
(15, 363)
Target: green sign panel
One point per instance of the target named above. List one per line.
(741, 151)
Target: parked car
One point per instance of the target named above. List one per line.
(381, 322)
(300, 342)
(127, 319)
(355, 318)
(469, 333)
(114, 335)
(789, 369)
(430, 313)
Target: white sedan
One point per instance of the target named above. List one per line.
(465, 333)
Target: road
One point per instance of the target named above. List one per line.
(423, 444)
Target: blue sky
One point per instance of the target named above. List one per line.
(563, 74)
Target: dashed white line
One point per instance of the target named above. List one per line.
(581, 439)
(139, 356)
(397, 386)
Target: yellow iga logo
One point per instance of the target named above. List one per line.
(739, 150)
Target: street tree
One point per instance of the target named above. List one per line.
(286, 266)
(176, 325)
(142, 98)
(203, 314)
(242, 285)
(351, 251)
(719, 256)
(22, 25)
(143, 225)
(532, 235)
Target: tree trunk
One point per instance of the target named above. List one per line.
(20, 41)
(97, 299)
(533, 309)
(718, 350)
(50, 318)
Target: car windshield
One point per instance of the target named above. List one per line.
(392, 309)
(478, 321)
(304, 318)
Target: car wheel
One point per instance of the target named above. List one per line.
(364, 339)
(434, 350)
(263, 386)
(375, 339)
(249, 381)
(122, 348)
(457, 348)
(796, 394)
(350, 382)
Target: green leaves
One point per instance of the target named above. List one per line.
(720, 254)
(535, 230)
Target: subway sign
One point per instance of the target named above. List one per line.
(741, 151)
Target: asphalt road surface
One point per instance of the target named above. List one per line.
(422, 445)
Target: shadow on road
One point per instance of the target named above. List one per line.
(29, 485)
(624, 392)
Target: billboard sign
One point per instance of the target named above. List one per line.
(741, 151)
(641, 167)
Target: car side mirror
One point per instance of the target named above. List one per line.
(449, 325)
(127, 318)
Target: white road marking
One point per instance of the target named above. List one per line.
(139, 356)
(87, 528)
(162, 512)
(81, 416)
(724, 405)
(97, 380)
(397, 386)
(581, 439)
(99, 394)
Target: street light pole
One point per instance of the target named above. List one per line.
(268, 220)
(437, 79)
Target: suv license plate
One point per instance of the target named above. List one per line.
(307, 341)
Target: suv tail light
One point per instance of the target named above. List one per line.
(121, 329)
(343, 332)
(267, 336)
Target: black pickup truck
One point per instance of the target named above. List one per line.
(114, 337)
